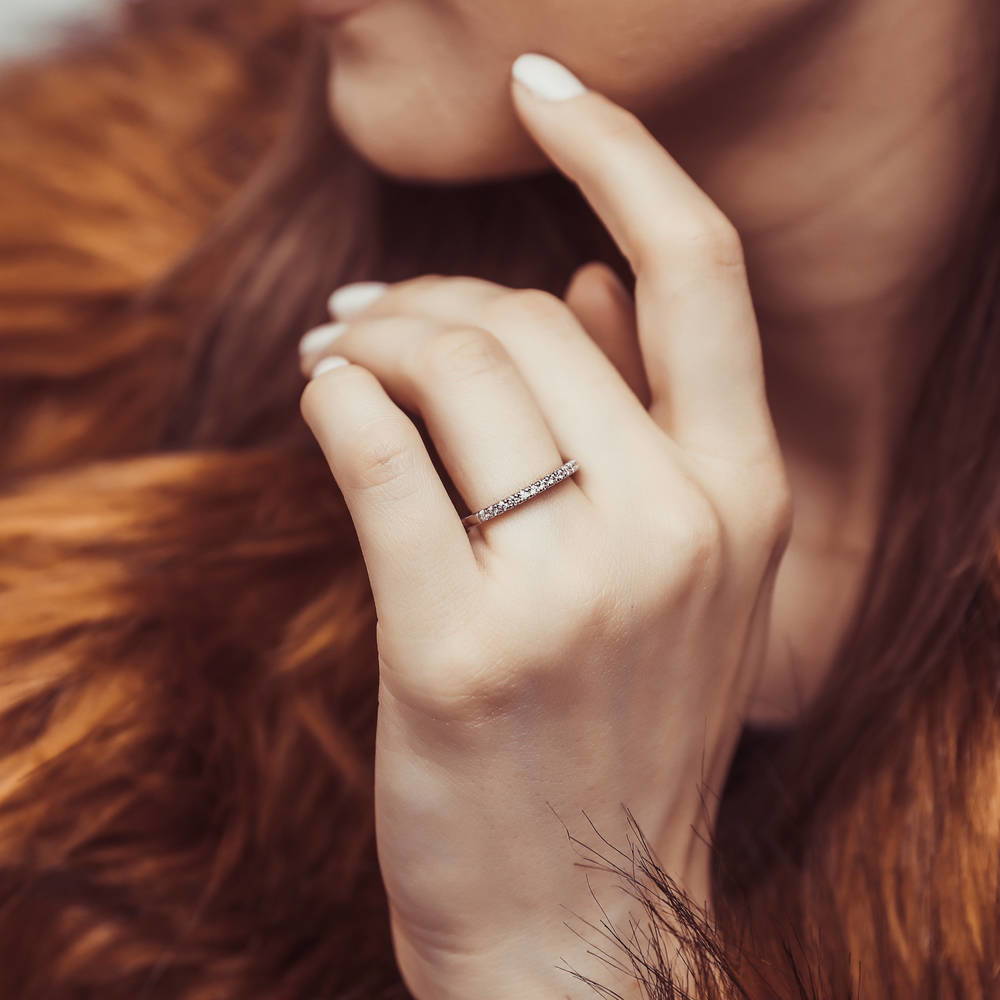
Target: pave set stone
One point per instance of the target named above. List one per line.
(539, 486)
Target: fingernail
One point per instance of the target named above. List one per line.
(320, 338)
(328, 363)
(352, 298)
(546, 77)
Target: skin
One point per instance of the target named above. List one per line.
(562, 655)
(740, 411)
(840, 137)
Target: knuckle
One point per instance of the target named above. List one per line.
(624, 125)
(691, 547)
(383, 459)
(781, 516)
(588, 598)
(710, 242)
(765, 493)
(470, 682)
(776, 511)
(430, 674)
(403, 291)
(476, 695)
(699, 546)
(526, 304)
(471, 689)
(585, 600)
(474, 674)
(463, 351)
(401, 296)
(716, 243)
(428, 279)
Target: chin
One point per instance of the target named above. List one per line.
(408, 137)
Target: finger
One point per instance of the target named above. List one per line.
(591, 411)
(486, 425)
(697, 328)
(450, 299)
(417, 553)
(604, 308)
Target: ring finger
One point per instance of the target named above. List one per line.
(487, 426)
(592, 412)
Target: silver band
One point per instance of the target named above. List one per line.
(538, 486)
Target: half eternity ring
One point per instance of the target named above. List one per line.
(507, 503)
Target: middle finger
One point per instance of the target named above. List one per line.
(492, 437)
(588, 404)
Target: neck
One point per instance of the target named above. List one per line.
(847, 157)
(846, 150)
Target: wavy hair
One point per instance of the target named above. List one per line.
(188, 673)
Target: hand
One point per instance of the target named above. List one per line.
(595, 646)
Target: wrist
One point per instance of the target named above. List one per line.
(554, 951)
(511, 970)
(538, 962)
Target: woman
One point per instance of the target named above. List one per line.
(202, 625)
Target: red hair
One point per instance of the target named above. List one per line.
(188, 675)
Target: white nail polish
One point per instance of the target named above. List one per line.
(320, 338)
(328, 363)
(545, 77)
(352, 298)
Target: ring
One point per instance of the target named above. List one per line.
(532, 490)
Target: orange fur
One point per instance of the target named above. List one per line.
(188, 674)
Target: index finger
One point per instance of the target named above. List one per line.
(697, 328)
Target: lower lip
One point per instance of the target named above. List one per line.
(333, 10)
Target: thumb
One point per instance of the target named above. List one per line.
(603, 306)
